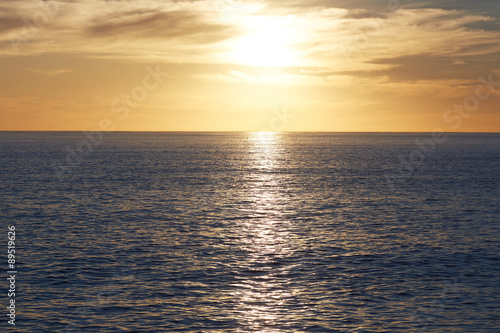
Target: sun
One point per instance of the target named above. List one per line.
(267, 43)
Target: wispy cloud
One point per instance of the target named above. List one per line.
(49, 72)
(160, 25)
(195, 31)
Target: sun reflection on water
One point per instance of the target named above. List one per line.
(265, 149)
(263, 292)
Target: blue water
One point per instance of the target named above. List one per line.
(242, 232)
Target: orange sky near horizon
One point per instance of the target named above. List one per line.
(229, 65)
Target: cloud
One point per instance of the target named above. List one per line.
(9, 21)
(160, 25)
(364, 14)
(423, 67)
(49, 72)
(330, 37)
(281, 78)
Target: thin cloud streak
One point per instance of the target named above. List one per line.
(50, 72)
(163, 25)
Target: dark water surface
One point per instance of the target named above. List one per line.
(242, 232)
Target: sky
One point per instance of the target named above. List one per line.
(250, 65)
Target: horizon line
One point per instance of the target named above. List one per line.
(237, 131)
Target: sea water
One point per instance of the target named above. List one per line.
(252, 232)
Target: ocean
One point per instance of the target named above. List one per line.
(252, 232)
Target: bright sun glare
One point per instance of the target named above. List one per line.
(266, 44)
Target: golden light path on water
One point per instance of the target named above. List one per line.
(263, 293)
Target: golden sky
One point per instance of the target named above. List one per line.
(249, 65)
